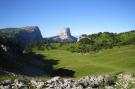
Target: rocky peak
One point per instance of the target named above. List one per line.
(63, 37)
(65, 33)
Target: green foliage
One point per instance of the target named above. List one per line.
(93, 42)
(127, 38)
(86, 41)
(105, 40)
(6, 77)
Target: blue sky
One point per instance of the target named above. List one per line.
(82, 16)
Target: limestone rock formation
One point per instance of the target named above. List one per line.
(22, 36)
(65, 33)
(64, 36)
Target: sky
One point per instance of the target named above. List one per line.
(81, 16)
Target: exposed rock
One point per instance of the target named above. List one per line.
(124, 81)
(64, 36)
(83, 83)
(65, 33)
(13, 42)
(22, 36)
(37, 84)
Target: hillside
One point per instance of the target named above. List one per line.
(117, 59)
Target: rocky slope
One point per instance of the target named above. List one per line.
(119, 81)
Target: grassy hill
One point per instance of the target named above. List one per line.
(105, 61)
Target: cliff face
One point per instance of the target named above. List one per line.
(22, 36)
(12, 48)
(65, 33)
(64, 36)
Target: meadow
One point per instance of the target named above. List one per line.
(117, 59)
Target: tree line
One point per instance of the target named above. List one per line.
(95, 42)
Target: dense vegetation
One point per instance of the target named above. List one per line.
(95, 42)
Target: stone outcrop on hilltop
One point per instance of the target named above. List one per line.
(64, 36)
(22, 36)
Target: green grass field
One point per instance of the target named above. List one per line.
(106, 61)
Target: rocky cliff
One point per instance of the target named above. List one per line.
(65, 33)
(64, 36)
(22, 36)
(13, 42)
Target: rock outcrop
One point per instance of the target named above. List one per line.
(14, 43)
(22, 36)
(120, 81)
(56, 83)
(65, 33)
(64, 36)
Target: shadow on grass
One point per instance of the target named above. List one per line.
(32, 64)
(47, 65)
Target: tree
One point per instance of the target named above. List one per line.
(86, 41)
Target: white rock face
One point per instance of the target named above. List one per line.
(63, 37)
(65, 33)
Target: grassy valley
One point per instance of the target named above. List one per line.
(117, 59)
